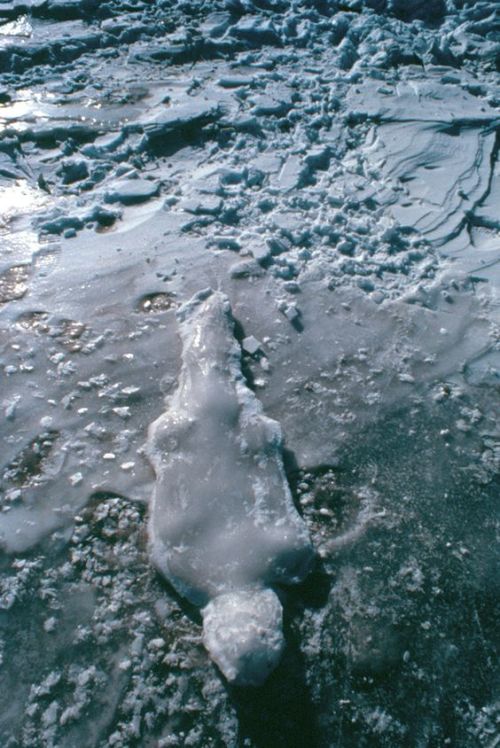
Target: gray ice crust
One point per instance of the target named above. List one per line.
(223, 528)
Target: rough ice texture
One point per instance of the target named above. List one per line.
(222, 523)
(243, 633)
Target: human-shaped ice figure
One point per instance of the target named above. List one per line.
(223, 528)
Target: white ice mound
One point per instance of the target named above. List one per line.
(222, 524)
(243, 633)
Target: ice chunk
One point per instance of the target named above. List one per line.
(246, 269)
(132, 191)
(234, 81)
(251, 345)
(222, 526)
(289, 177)
(243, 633)
(187, 113)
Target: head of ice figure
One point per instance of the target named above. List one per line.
(208, 330)
(243, 633)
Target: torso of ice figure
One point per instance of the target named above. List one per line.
(222, 516)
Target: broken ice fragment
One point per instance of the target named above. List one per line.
(132, 191)
(122, 411)
(290, 311)
(251, 345)
(223, 528)
(243, 633)
(75, 479)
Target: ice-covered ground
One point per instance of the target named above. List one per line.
(332, 168)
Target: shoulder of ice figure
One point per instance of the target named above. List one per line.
(166, 430)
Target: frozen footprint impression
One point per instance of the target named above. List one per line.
(223, 528)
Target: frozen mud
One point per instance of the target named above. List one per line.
(332, 169)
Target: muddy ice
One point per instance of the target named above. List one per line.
(332, 169)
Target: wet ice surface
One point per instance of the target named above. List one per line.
(333, 169)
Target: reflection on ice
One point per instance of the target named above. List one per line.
(17, 199)
(29, 106)
(18, 202)
(20, 27)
